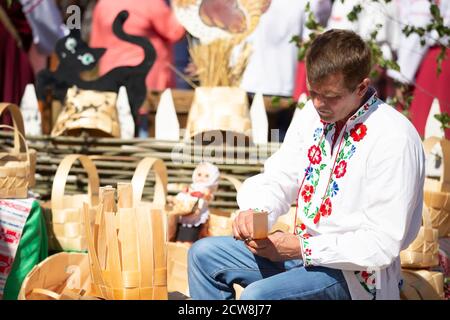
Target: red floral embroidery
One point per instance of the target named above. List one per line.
(340, 169)
(314, 155)
(358, 132)
(325, 208)
(308, 252)
(366, 277)
(306, 236)
(317, 218)
(302, 227)
(307, 193)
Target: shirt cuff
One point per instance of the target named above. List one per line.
(305, 250)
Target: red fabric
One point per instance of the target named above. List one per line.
(300, 81)
(15, 68)
(152, 19)
(428, 86)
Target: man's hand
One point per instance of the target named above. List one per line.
(279, 246)
(243, 225)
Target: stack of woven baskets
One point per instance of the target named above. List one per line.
(126, 241)
(422, 256)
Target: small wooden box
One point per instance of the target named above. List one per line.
(260, 225)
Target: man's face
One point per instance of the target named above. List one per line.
(332, 99)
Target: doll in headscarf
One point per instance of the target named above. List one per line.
(205, 181)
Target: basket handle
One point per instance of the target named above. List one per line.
(59, 182)
(18, 124)
(426, 289)
(48, 293)
(426, 218)
(140, 175)
(236, 182)
(21, 139)
(428, 144)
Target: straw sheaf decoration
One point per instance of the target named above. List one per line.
(220, 25)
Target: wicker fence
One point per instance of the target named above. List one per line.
(116, 160)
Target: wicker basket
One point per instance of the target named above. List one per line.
(437, 192)
(219, 109)
(88, 110)
(177, 275)
(66, 230)
(423, 251)
(17, 165)
(443, 184)
(422, 285)
(62, 276)
(438, 203)
(127, 242)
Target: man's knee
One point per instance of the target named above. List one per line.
(200, 250)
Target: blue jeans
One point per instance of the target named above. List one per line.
(216, 263)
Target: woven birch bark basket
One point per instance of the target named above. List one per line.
(437, 192)
(422, 285)
(66, 229)
(17, 164)
(423, 251)
(88, 110)
(177, 265)
(219, 109)
(127, 241)
(62, 276)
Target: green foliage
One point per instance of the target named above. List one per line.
(276, 101)
(300, 105)
(436, 24)
(444, 120)
(353, 15)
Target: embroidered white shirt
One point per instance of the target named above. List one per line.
(360, 203)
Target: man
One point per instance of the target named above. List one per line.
(355, 167)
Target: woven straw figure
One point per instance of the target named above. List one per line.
(205, 182)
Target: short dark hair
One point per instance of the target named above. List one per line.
(338, 51)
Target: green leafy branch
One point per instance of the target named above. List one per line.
(444, 120)
(436, 24)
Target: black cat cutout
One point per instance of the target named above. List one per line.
(75, 56)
